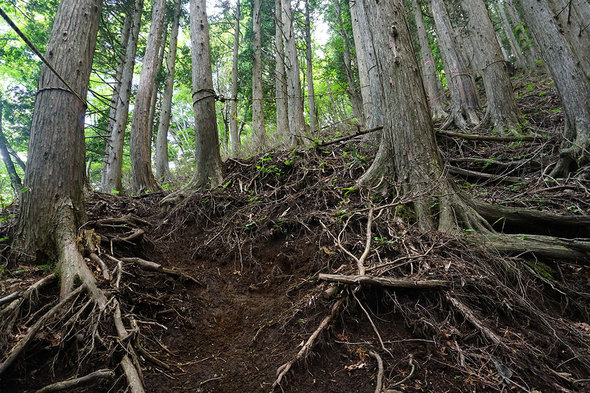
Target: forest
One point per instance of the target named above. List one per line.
(295, 196)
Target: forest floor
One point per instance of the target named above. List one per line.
(256, 248)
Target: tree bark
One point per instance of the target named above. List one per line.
(14, 177)
(208, 160)
(52, 207)
(573, 19)
(502, 111)
(313, 117)
(572, 84)
(514, 46)
(161, 153)
(365, 87)
(258, 129)
(142, 177)
(294, 98)
(464, 102)
(156, 90)
(432, 83)
(112, 169)
(234, 135)
(353, 91)
(282, 126)
(376, 90)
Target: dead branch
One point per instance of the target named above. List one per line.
(379, 383)
(481, 175)
(22, 344)
(133, 378)
(78, 382)
(490, 138)
(345, 138)
(156, 267)
(284, 369)
(470, 316)
(384, 281)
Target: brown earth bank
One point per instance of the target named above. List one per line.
(245, 294)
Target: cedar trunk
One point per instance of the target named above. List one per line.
(313, 118)
(282, 126)
(112, 169)
(52, 207)
(161, 152)
(142, 177)
(207, 158)
(432, 83)
(258, 129)
(502, 111)
(234, 135)
(464, 102)
(572, 83)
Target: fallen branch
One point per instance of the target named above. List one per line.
(469, 316)
(22, 344)
(78, 382)
(284, 369)
(379, 383)
(481, 175)
(156, 267)
(383, 281)
(345, 138)
(490, 138)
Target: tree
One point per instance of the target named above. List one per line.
(113, 164)
(52, 207)
(140, 145)
(573, 85)
(432, 84)
(4, 153)
(234, 134)
(280, 74)
(313, 118)
(502, 111)
(371, 89)
(353, 91)
(161, 153)
(464, 101)
(294, 99)
(258, 129)
(512, 41)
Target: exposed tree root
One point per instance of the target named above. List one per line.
(156, 267)
(490, 138)
(486, 176)
(78, 382)
(284, 369)
(384, 281)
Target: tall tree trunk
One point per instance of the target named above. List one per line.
(52, 207)
(365, 87)
(156, 90)
(573, 85)
(111, 179)
(142, 177)
(313, 117)
(207, 158)
(161, 153)
(370, 56)
(464, 102)
(353, 91)
(14, 177)
(234, 135)
(282, 126)
(294, 98)
(258, 129)
(527, 44)
(502, 111)
(515, 49)
(432, 83)
(125, 34)
(573, 19)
